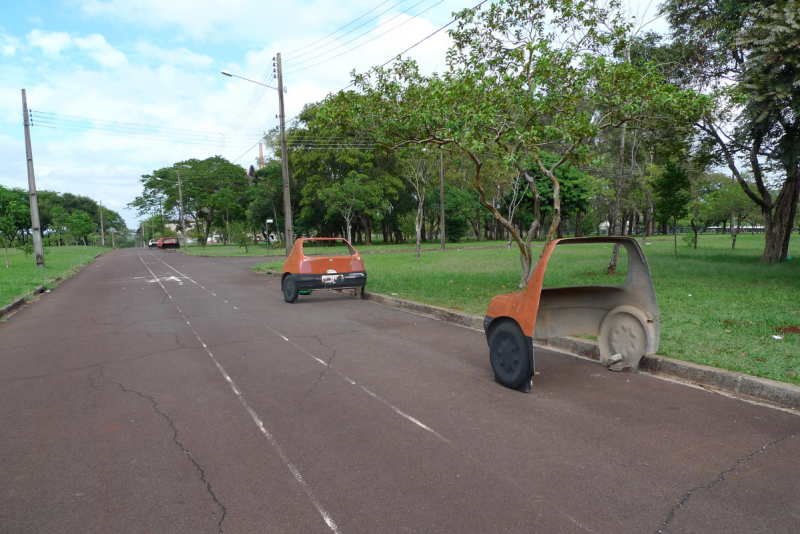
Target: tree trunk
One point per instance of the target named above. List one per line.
(418, 226)
(777, 225)
(792, 212)
(675, 235)
(365, 222)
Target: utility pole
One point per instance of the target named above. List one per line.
(441, 194)
(36, 228)
(102, 230)
(183, 221)
(287, 197)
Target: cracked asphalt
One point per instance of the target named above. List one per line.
(160, 393)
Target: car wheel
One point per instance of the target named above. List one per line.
(508, 352)
(290, 291)
(623, 332)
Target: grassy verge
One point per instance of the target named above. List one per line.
(22, 276)
(218, 249)
(718, 307)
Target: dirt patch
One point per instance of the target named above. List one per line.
(788, 330)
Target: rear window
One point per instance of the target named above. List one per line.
(327, 247)
(585, 265)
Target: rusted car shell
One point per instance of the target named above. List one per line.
(624, 318)
(305, 272)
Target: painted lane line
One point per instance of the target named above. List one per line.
(367, 391)
(403, 414)
(260, 424)
(322, 362)
(196, 283)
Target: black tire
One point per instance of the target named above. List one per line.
(508, 352)
(290, 290)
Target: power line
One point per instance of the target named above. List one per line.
(252, 103)
(246, 151)
(345, 26)
(133, 136)
(54, 121)
(49, 115)
(351, 31)
(396, 56)
(369, 41)
(406, 50)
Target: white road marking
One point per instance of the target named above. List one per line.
(322, 362)
(257, 420)
(367, 391)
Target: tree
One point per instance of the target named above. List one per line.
(419, 169)
(755, 45)
(80, 225)
(202, 182)
(349, 198)
(323, 154)
(265, 199)
(13, 215)
(524, 78)
(672, 197)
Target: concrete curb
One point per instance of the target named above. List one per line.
(8, 309)
(736, 384)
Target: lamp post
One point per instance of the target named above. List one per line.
(287, 201)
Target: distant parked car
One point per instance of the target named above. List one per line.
(321, 263)
(152, 243)
(168, 242)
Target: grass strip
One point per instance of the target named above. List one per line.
(22, 276)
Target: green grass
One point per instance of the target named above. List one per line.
(718, 307)
(218, 249)
(22, 276)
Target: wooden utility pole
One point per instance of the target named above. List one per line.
(287, 197)
(36, 228)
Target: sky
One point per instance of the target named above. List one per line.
(119, 88)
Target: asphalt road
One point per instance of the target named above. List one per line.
(160, 393)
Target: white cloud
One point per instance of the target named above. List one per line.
(8, 45)
(181, 57)
(248, 21)
(51, 43)
(102, 52)
(176, 86)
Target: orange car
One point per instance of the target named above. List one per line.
(624, 318)
(321, 263)
(168, 242)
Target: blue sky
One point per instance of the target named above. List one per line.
(119, 88)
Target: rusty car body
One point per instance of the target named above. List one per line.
(321, 263)
(623, 317)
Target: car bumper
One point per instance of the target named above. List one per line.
(306, 282)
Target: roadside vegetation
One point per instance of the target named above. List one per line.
(718, 307)
(21, 277)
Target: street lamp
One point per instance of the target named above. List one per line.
(287, 200)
